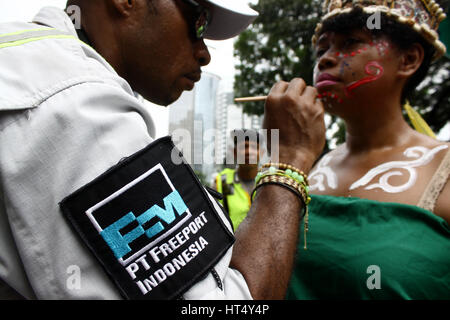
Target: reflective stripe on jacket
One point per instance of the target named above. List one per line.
(66, 117)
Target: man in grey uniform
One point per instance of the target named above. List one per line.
(69, 112)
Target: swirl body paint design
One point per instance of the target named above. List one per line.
(322, 172)
(373, 69)
(422, 157)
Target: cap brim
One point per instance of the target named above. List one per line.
(228, 19)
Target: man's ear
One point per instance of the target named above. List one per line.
(410, 60)
(122, 7)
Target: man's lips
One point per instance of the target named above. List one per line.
(193, 76)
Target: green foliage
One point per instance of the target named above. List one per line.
(278, 47)
(432, 99)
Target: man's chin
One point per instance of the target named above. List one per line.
(163, 100)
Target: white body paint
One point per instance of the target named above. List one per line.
(423, 155)
(323, 171)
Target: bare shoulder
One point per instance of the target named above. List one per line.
(325, 158)
(442, 207)
(434, 149)
(429, 142)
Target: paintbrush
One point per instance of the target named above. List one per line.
(248, 99)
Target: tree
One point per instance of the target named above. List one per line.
(278, 47)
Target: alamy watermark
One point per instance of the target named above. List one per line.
(374, 281)
(374, 21)
(73, 281)
(200, 147)
(74, 13)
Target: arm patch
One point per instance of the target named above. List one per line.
(150, 223)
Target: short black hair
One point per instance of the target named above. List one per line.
(400, 34)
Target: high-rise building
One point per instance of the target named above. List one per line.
(225, 102)
(205, 125)
(192, 124)
(201, 120)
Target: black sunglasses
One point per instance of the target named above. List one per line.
(203, 18)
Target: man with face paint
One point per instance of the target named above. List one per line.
(69, 112)
(381, 202)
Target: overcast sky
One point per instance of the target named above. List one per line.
(25, 9)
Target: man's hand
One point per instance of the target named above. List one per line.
(266, 241)
(294, 110)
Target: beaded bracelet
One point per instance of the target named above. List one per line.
(294, 186)
(298, 187)
(290, 172)
(272, 171)
(274, 180)
(289, 169)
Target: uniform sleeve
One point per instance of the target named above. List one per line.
(49, 152)
(232, 284)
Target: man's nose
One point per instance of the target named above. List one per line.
(201, 53)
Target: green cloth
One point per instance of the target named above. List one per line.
(444, 33)
(238, 200)
(410, 245)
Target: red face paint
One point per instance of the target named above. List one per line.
(326, 94)
(374, 71)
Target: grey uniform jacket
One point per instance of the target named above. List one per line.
(65, 118)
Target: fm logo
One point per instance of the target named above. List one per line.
(140, 214)
(119, 243)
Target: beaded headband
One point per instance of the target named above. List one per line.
(423, 16)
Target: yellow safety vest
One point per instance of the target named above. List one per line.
(237, 199)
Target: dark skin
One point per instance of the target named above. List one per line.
(249, 152)
(376, 129)
(267, 239)
(124, 33)
(247, 172)
(152, 46)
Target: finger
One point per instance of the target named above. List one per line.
(279, 87)
(310, 94)
(296, 87)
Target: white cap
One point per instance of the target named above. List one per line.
(228, 18)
